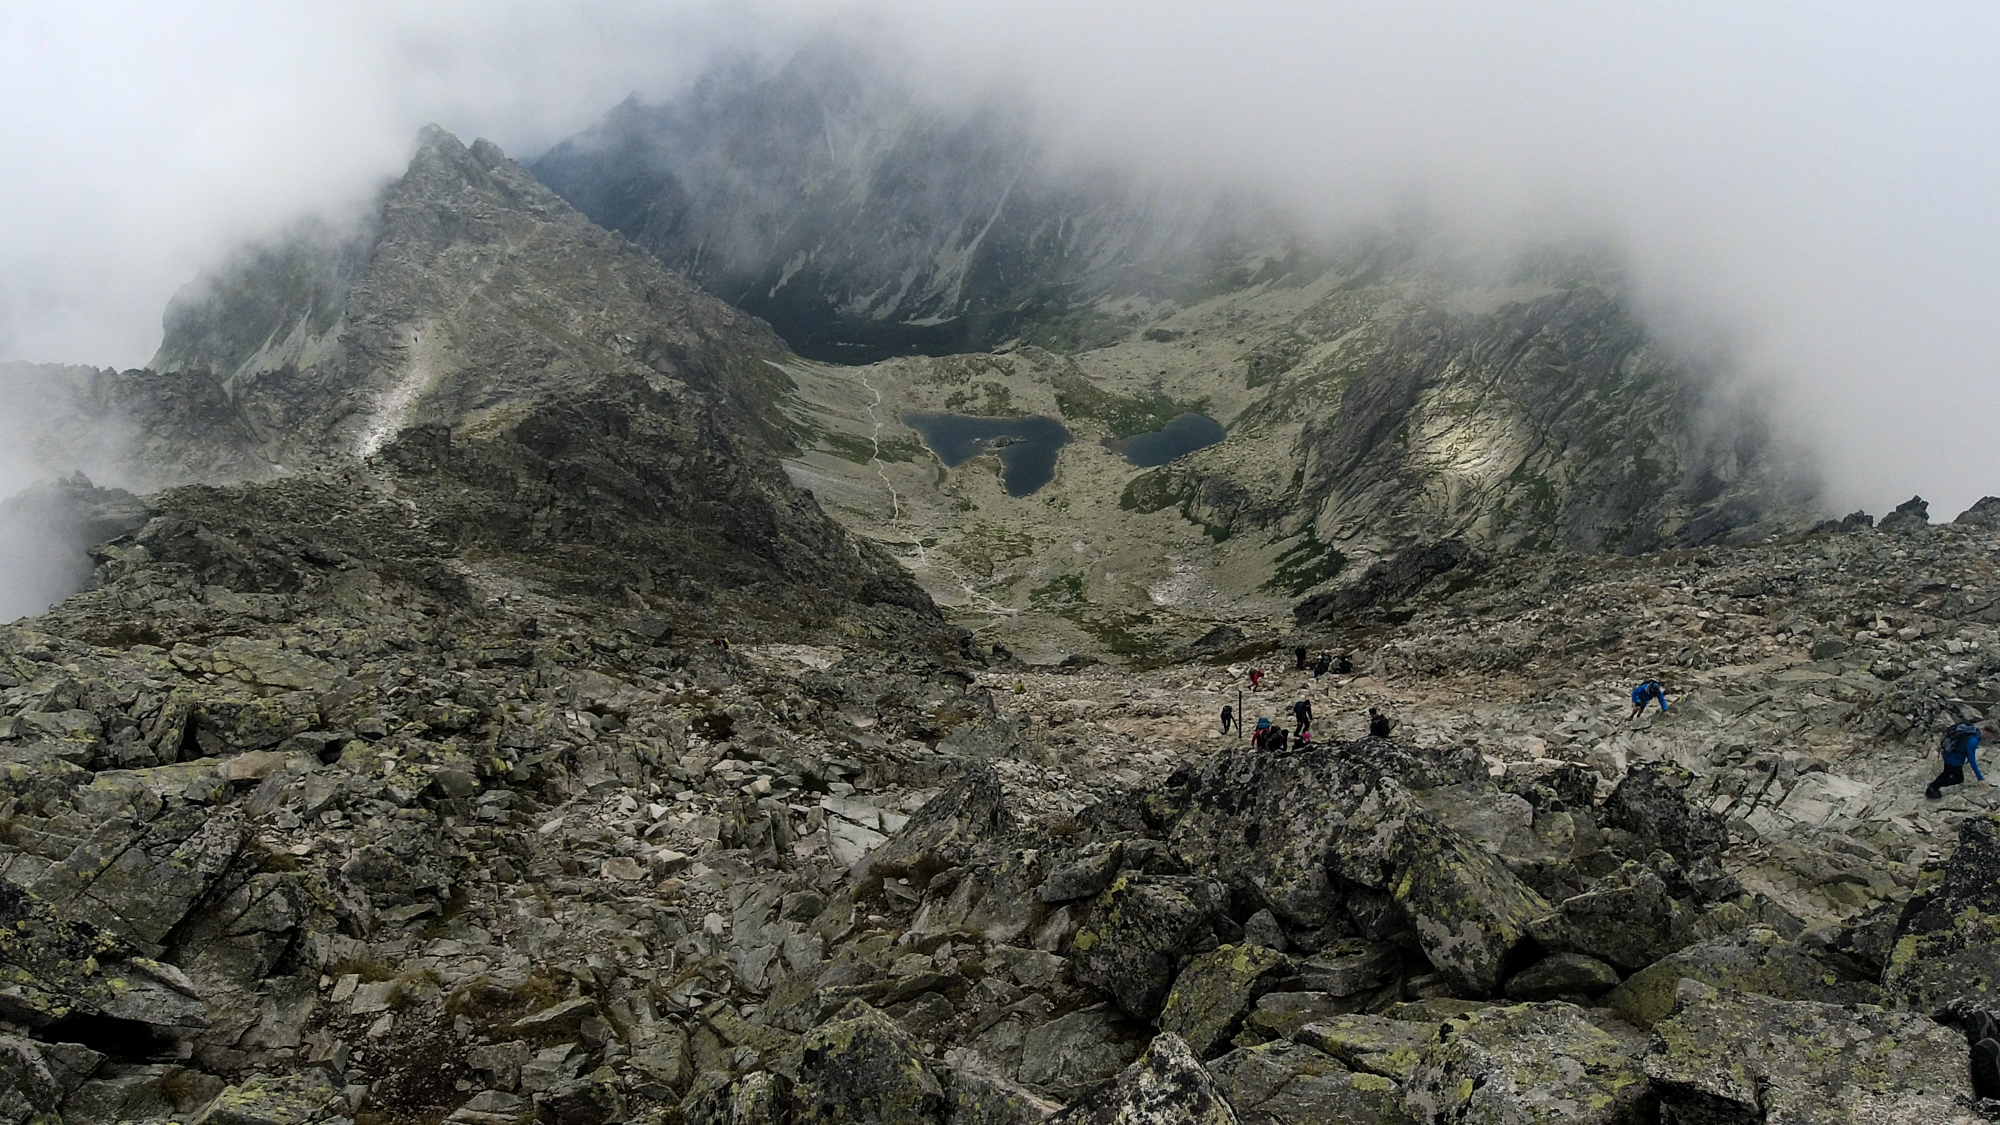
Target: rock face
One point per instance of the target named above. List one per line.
(1946, 958)
(1735, 1056)
(830, 199)
(1534, 1062)
(534, 384)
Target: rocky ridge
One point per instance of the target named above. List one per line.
(346, 839)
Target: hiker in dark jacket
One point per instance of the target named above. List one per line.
(1646, 693)
(1228, 717)
(1324, 663)
(1379, 725)
(1302, 714)
(1960, 747)
(1299, 658)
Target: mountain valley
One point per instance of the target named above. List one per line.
(520, 678)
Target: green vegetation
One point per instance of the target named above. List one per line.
(1267, 361)
(1304, 565)
(861, 451)
(1061, 590)
(1536, 506)
(1123, 415)
(998, 400)
(984, 546)
(1151, 492)
(1120, 633)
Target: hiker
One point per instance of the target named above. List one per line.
(1302, 713)
(1302, 739)
(1646, 693)
(1379, 725)
(1960, 747)
(1256, 677)
(1324, 662)
(1983, 1033)
(1344, 666)
(1259, 733)
(1228, 717)
(1299, 658)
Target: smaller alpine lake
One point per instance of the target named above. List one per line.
(1178, 438)
(1027, 446)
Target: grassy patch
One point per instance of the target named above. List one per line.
(1119, 633)
(1123, 415)
(1273, 358)
(986, 399)
(1305, 565)
(861, 451)
(1061, 590)
(1150, 492)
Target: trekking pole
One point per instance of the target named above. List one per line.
(1239, 709)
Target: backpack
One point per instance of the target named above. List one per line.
(1959, 741)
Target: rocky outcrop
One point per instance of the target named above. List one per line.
(1726, 1055)
(1533, 1062)
(1946, 957)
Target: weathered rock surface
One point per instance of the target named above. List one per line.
(1531, 1062)
(1139, 932)
(1215, 991)
(1946, 957)
(1726, 1055)
(1292, 1084)
(1756, 960)
(1166, 1086)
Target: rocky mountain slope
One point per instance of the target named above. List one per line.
(569, 411)
(349, 829)
(1380, 387)
(513, 741)
(1374, 406)
(864, 219)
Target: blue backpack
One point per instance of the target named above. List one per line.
(1959, 743)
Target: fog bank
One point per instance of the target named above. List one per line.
(1811, 188)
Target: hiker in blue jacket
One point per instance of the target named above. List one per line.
(1645, 693)
(1960, 747)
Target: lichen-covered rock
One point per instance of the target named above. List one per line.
(141, 1093)
(977, 1096)
(1651, 803)
(1753, 960)
(1279, 1015)
(1468, 909)
(941, 834)
(1266, 820)
(139, 880)
(993, 898)
(300, 1098)
(1166, 1086)
(1377, 1044)
(592, 1099)
(1349, 966)
(1071, 1053)
(863, 1067)
(1562, 974)
(1292, 1084)
(1724, 1056)
(1627, 919)
(1946, 956)
(1214, 991)
(35, 1078)
(52, 968)
(1528, 1063)
(1140, 930)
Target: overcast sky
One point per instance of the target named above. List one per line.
(1816, 181)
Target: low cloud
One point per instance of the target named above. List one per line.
(1811, 188)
